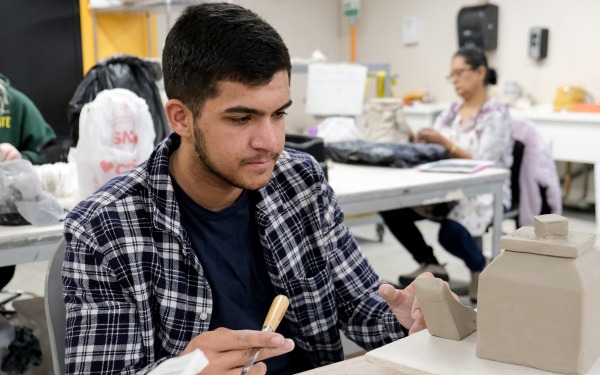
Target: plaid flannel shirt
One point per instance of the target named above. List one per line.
(136, 293)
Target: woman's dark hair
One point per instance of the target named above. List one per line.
(215, 42)
(475, 58)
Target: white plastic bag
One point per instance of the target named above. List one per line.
(385, 121)
(336, 129)
(116, 133)
(60, 180)
(21, 191)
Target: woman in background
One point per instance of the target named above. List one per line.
(475, 127)
(23, 132)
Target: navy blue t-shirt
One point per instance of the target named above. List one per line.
(227, 245)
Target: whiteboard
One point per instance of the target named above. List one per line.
(335, 89)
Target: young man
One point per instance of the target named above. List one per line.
(188, 249)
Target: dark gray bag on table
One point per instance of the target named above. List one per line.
(405, 155)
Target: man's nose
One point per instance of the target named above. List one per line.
(265, 136)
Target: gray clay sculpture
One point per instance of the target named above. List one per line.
(539, 300)
(445, 316)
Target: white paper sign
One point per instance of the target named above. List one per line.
(410, 29)
(335, 89)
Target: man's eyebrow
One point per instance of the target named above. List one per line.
(242, 109)
(285, 106)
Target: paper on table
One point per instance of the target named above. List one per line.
(456, 165)
(189, 364)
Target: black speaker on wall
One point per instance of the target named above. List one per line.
(478, 26)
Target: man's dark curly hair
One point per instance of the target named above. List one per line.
(215, 42)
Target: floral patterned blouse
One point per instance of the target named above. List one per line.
(487, 136)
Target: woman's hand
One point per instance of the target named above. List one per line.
(430, 135)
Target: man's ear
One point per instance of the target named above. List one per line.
(180, 117)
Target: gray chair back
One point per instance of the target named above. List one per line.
(56, 313)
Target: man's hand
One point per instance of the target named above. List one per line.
(404, 305)
(227, 350)
(8, 152)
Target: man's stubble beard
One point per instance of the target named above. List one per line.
(204, 159)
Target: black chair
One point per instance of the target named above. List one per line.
(312, 145)
(56, 312)
(515, 170)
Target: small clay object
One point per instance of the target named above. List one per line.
(445, 316)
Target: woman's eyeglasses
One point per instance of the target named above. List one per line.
(457, 73)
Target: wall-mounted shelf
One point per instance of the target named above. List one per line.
(138, 6)
(143, 5)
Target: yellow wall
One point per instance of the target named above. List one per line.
(116, 33)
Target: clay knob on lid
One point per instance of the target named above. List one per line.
(549, 236)
(551, 226)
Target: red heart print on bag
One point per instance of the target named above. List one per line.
(106, 165)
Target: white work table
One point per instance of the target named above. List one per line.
(354, 366)
(365, 189)
(423, 354)
(359, 189)
(28, 243)
(573, 137)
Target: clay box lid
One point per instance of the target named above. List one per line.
(549, 236)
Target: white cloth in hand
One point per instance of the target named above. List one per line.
(189, 364)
